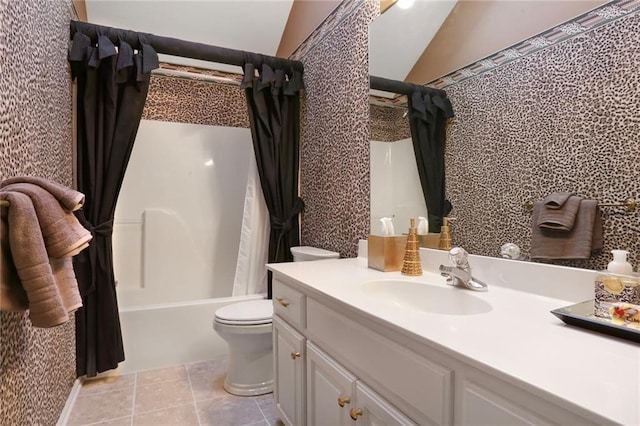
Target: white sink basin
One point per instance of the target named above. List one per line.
(439, 298)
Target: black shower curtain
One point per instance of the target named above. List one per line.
(273, 100)
(112, 86)
(428, 114)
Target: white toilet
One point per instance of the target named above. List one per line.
(247, 329)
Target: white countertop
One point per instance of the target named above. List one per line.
(519, 337)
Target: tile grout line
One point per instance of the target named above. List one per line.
(133, 400)
(99, 422)
(193, 395)
(261, 412)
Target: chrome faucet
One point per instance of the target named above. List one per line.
(460, 273)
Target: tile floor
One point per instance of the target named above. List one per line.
(182, 395)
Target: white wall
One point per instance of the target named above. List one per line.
(395, 185)
(178, 218)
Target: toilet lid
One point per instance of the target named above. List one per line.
(252, 312)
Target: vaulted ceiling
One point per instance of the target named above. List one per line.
(432, 39)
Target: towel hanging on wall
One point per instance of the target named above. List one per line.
(39, 237)
(572, 232)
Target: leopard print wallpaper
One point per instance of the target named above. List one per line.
(37, 366)
(197, 102)
(564, 118)
(387, 124)
(334, 130)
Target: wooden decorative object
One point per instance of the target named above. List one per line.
(386, 253)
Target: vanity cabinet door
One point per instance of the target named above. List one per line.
(330, 390)
(289, 373)
(482, 399)
(484, 407)
(371, 409)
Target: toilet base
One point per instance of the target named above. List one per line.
(248, 390)
(250, 366)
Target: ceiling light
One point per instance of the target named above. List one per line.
(405, 4)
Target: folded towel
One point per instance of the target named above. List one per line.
(558, 212)
(30, 258)
(70, 199)
(62, 233)
(555, 200)
(578, 243)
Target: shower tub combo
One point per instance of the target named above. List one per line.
(176, 238)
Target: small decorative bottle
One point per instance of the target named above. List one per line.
(619, 264)
(411, 264)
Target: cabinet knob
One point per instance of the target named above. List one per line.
(295, 355)
(282, 302)
(343, 400)
(355, 412)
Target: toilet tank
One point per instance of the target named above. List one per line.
(305, 253)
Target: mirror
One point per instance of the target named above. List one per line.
(397, 39)
(479, 36)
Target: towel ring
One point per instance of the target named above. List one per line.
(629, 205)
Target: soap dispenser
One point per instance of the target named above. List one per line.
(445, 236)
(619, 264)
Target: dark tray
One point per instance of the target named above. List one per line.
(581, 315)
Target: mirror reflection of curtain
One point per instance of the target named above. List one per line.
(428, 114)
(112, 87)
(273, 100)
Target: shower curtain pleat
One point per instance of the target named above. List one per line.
(273, 101)
(112, 85)
(251, 272)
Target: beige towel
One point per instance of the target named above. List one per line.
(30, 258)
(12, 296)
(556, 200)
(62, 233)
(584, 237)
(70, 199)
(559, 212)
(65, 279)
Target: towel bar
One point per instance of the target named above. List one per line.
(629, 205)
(4, 203)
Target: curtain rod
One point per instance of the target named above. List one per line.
(399, 87)
(186, 75)
(182, 48)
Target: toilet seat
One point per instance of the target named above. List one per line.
(253, 312)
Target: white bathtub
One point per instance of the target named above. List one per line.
(175, 240)
(157, 336)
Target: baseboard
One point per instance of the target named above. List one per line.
(71, 400)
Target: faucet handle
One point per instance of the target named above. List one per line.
(458, 257)
(455, 274)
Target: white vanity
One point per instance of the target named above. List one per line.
(352, 343)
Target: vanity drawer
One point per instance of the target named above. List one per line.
(289, 304)
(419, 387)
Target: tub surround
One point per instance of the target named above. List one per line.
(518, 343)
(172, 333)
